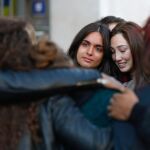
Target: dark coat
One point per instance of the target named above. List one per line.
(140, 116)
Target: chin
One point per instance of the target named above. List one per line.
(124, 70)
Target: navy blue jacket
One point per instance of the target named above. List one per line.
(140, 116)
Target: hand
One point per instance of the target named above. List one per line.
(110, 82)
(121, 104)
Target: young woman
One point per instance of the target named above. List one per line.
(127, 46)
(134, 106)
(90, 48)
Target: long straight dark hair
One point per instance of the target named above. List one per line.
(106, 64)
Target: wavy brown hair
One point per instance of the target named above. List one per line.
(132, 32)
(18, 52)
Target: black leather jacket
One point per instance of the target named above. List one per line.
(62, 124)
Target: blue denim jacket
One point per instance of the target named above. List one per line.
(60, 119)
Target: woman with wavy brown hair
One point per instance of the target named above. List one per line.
(134, 106)
(20, 51)
(127, 46)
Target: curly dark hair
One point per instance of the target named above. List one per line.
(17, 52)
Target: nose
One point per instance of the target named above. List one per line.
(90, 50)
(118, 56)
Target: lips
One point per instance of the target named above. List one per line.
(121, 65)
(86, 59)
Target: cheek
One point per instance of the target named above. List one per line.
(128, 56)
(81, 50)
(99, 57)
(80, 53)
(113, 57)
(130, 62)
(78, 56)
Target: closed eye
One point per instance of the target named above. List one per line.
(123, 48)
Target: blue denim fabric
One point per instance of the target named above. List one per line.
(58, 116)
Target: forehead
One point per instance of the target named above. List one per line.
(118, 39)
(94, 36)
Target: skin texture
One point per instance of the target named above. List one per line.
(121, 105)
(121, 53)
(90, 52)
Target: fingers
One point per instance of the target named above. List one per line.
(113, 105)
(110, 107)
(110, 82)
(102, 81)
(121, 105)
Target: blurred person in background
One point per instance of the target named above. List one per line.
(110, 21)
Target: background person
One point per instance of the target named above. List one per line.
(110, 21)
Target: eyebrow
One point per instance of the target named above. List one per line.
(90, 43)
(122, 46)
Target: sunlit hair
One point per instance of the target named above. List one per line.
(132, 32)
(31, 32)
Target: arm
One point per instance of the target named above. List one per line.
(133, 107)
(37, 84)
(121, 104)
(74, 130)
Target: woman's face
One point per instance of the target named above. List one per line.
(90, 52)
(121, 53)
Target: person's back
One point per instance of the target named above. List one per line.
(19, 52)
